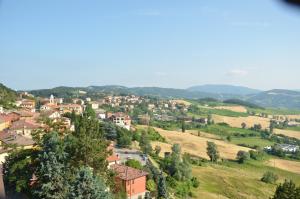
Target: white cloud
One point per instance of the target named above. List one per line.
(237, 73)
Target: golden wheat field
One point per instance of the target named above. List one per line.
(240, 109)
(289, 133)
(237, 121)
(292, 166)
(196, 145)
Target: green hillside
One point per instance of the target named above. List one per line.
(7, 96)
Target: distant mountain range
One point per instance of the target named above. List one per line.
(224, 89)
(277, 98)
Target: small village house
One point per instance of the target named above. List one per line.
(120, 119)
(133, 181)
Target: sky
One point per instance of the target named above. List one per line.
(165, 43)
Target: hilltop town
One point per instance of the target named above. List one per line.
(154, 147)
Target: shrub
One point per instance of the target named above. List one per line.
(134, 164)
(269, 177)
(242, 156)
(195, 182)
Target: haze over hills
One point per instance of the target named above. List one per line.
(224, 89)
(277, 98)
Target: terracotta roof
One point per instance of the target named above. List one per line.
(112, 158)
(69, 105)
(128, 173)
(11, 137)
(119, 114)
(25, 113)
(23, 124)
(9, 117)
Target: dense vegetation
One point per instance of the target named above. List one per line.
(7, 96)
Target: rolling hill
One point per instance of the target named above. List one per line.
(7, 96)
(278, 98)
(117, 90)
(224, 89)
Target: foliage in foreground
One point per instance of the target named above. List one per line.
(287, 190)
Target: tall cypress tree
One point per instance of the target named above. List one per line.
(162, 187)
(51, 169)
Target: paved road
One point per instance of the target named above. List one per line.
(126, 154)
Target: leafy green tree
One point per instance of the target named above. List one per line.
(150, 185)
(212, 151)
(242, 156)
(51, 170)
(88, 186)
(177, 166)
(89, 111)
(87, 144)
(134, 164)
(18, 170)
(287, 190)
(257, 155)
(110, 130)
(145, 144)
(162, 187)
(269, 177)
(124, 137)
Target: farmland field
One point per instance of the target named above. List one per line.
(252, 141)
(237, 181)
(293, 166)
(240, 109)
(197, 145)
(289, 133)
(237, 121)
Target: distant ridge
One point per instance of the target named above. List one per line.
(224, 89)
(279, 98)
(276, 98)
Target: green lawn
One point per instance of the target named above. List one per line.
(271, 111)
(237, 181)
(224, 131)
(295, 128)
(252, 141)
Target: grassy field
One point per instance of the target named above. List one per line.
(237, 181)
(294, 128)
(223, 131)
(271, 111)
(252, 141)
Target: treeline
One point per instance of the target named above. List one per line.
(242, 103)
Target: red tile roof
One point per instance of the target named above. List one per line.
(112, 158)
(128, 173)
(23, 124)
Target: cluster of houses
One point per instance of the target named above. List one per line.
(17, 127)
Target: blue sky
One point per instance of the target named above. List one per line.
(167, 43)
